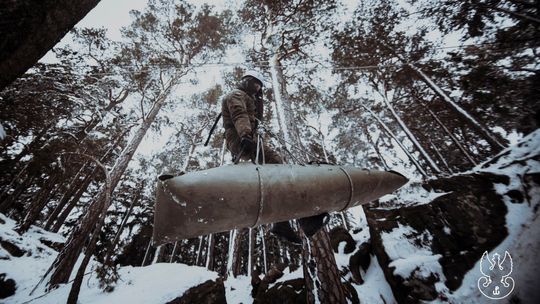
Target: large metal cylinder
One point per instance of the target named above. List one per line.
(246, 195)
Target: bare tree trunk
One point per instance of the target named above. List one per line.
(409, 134)
(63, 265)
(123, 223)
(289, 127)
(10, 199)
(264, 253)
(375, 146)
(318, 257)
(76, 287)
(173, 253)
(237, 253)
(320, 271)
(230, 253)
(146, 253)
(37, 206)
(73, 185)
(31, 28)
(398, 142)
(73, 202)
(199, 251)
(79, 191)
(452, 136)
(490, 138)
(210, 253)
(251, 252)
(81, 135)
(343, 215)
(159, 254)
(434, 147)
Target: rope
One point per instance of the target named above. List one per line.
(258, 149)
(284, 143)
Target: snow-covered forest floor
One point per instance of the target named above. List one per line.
(25, 258)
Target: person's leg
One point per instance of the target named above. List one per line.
(311, 224)
(269, 156)
(284, 231)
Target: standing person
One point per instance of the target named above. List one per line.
(242, 109)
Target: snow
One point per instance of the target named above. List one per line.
(513, 137)
(238, 290)
(2, 132)
(412, 194)
(288, 275)
(407, 257)
(375, 289)
(447, 230)
(157, 283)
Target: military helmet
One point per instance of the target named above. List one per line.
(255, 75)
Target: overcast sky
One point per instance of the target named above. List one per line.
(114, 14)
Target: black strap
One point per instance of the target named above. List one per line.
(212, 130)
(237, 157)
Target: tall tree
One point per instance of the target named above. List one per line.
(30, 28)
(288, 29)
(162, 43)
(500, 61)
(374, 39)
(103, 94)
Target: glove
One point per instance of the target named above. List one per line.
(247, 144)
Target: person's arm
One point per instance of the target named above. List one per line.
(239, 115)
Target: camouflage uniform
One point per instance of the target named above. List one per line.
(240, 113)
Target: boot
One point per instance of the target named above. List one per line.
(312, 224)
(283, 230)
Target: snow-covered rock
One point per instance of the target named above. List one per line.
(431, 250)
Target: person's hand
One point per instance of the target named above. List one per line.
(247, 144)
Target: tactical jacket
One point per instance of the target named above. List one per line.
(240, 114)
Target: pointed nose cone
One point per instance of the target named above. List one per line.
(396, 180)
(370, 185)
(386, 183)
